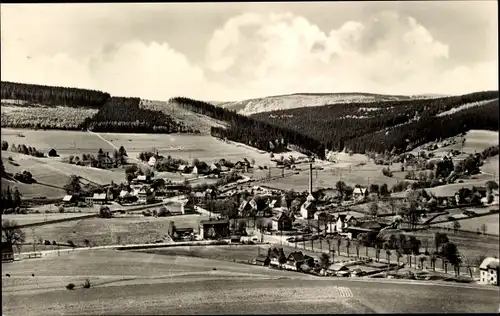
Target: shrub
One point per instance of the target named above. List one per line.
(53, 153)
(70, 286)
(61, 209)
(47, 242)
(387, 172)
(86, 284)
(71, 243)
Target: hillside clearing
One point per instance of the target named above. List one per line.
(473, 224)
(465, 106)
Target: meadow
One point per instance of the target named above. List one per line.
(473, 224)
(126, 229)
(23, 219)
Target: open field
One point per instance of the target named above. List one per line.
(156, 284)
(23, 219)
(52, 174)
(189, 147)
(30, 191)
(121, 229)
(473, 224)
(328, 177)
(64, 142)
(479, 140)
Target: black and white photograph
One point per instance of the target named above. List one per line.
(181, 158)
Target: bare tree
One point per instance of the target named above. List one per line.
(484, 228)
(12, 233)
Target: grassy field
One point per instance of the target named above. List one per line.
(350, 173)
(122, 229)
(51, 174)
(64, 142)
(23, 219)
(30, 191)
(473, 224)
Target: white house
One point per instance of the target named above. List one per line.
(359, 193)
(308, 209)
(489, 271)
(194, 170)
(152, 161)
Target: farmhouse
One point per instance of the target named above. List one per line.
(284, 222)
(99, 198)
(146, 195)
(214, 229)
(142, 179)
(187, 206)
(338, 269)
(294, 261)
(182, 233)
(68, 200)
(7, 252)
(344, 221)
(489, 271)
(359, 193)
(308, 209)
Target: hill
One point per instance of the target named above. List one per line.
(387, 125)
(299, 100)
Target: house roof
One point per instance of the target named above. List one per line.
(99, 196)
(309, 205)
(338, 267)
(297, 256)
(124, 193)
(181, 167)
(67, 198)
(141, 178)
(357, 270)
(359, 190)
(214, 222)
(490, 263)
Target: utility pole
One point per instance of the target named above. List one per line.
(34, 239)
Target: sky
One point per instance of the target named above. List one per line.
(236, 51)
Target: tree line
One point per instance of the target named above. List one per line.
(383, 125)
(52, 95)
(247, 130)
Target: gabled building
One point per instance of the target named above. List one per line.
(489, 271)
(359, 193)
(282, 223)
(294, 261)
(344, 221)
(69, 199)
(99, 198)
(308, 209)
(146, 195)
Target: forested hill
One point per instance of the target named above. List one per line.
(379, 126)
(255, 133)
(299, 100)
(48, 107)
(50, 95)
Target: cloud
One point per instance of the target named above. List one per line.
(251, 55)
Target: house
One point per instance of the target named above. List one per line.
(184, 169)
(359, 193)
(274, 255)
(152, 161)
(321, 216)
(187, 206)
(214, 229)
(199, 198)
(308, 209)
(283, 222)
(245, 208)
(7, 252)
(99, 198)
(357, 272)
(107, 161)
(489, 271)
(146, 195)
(294, 261)
(194, 170)
(143, 179)
(344, 221)
(69, 199)
(214, 168)
(262, 260)
(338, 269)
(182, 233)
